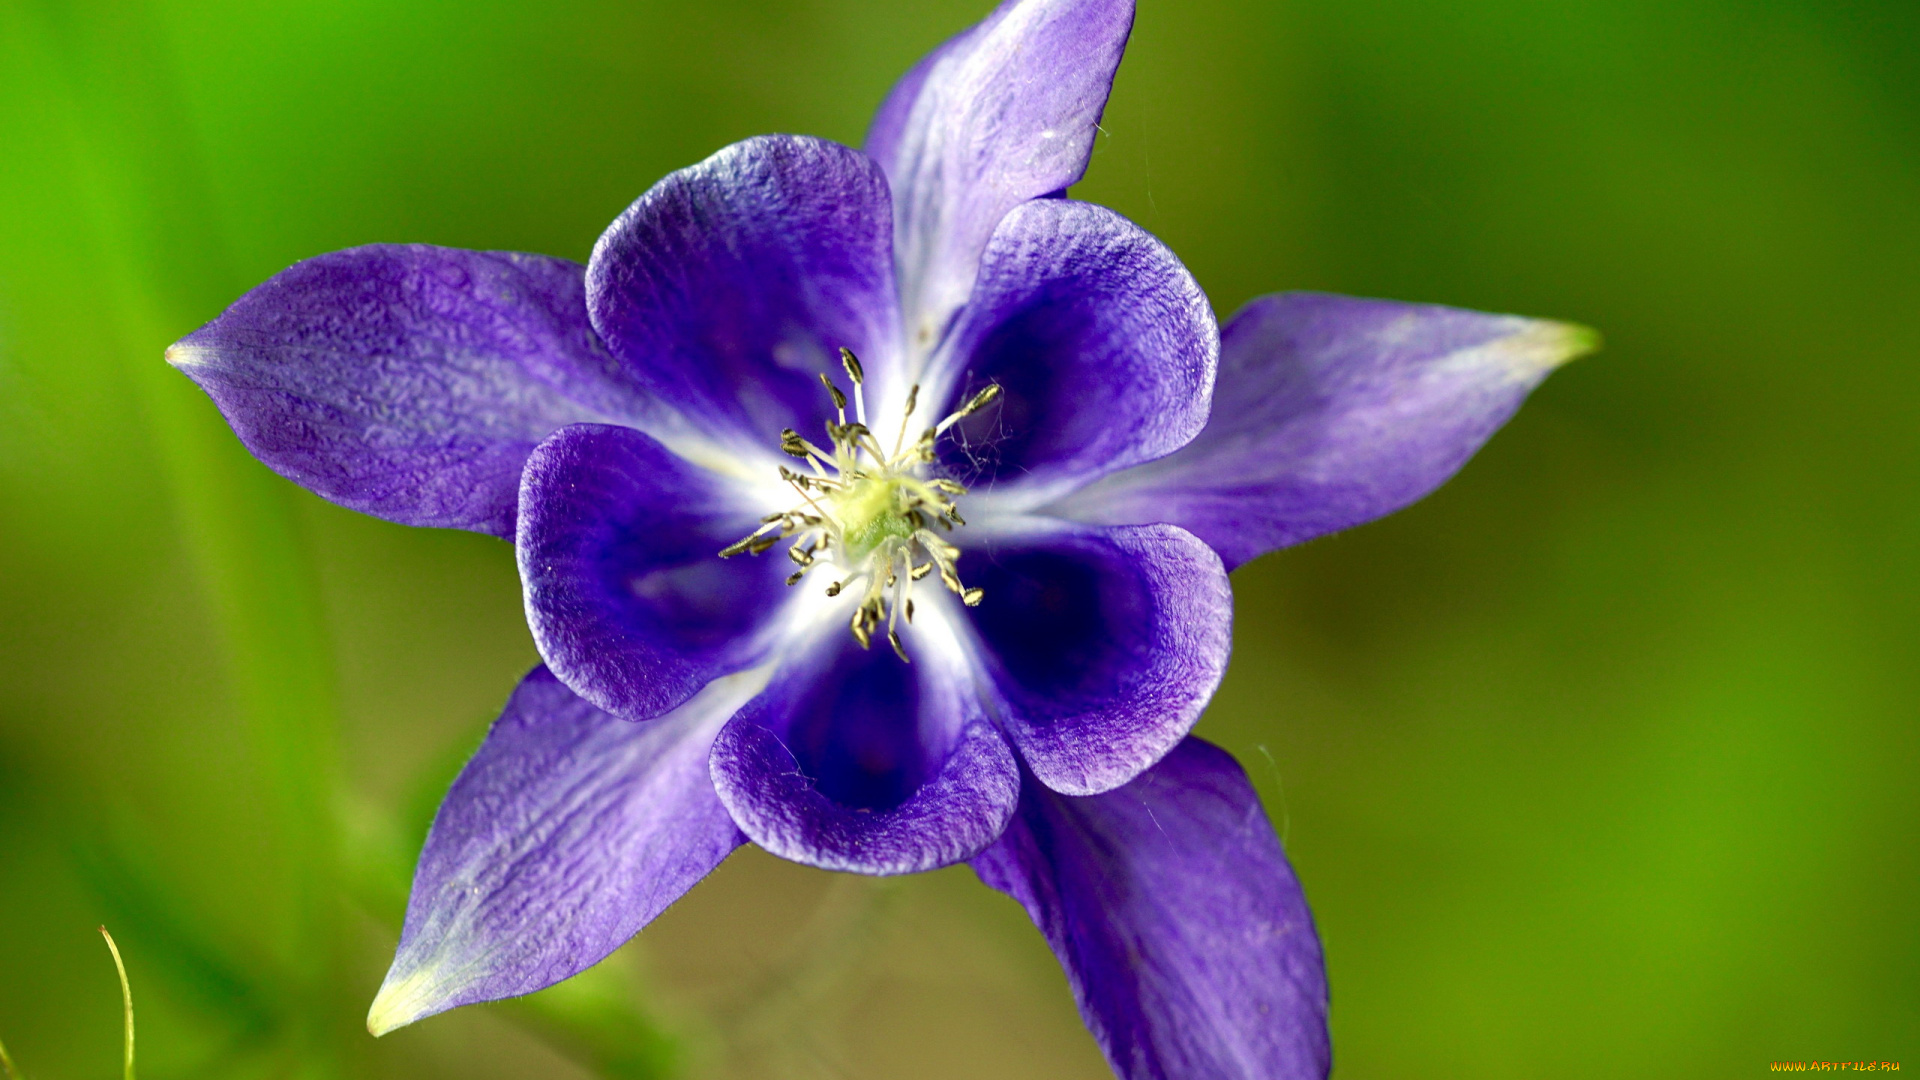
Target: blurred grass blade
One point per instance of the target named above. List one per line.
(6, 1064)
(146, 211)
(126, 998)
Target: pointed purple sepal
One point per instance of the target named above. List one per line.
(1001, 114)
(568, 832)
(409, 382)
(1181, 927)
(1331, 411)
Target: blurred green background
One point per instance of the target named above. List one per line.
(1601, 760)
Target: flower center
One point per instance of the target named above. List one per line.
(873, 511)
(870, 513)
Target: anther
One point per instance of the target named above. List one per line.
(981, 400)
(852, 364)
(839, 399)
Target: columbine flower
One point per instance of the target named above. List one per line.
(876, 508)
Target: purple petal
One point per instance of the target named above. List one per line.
(1003, 113)
(1181, 927)
(731, 284)
(409, 382)
(1103, 345)
(627, 597)
(568, 832)
(1332, 411)
(852, 760)
(1105, 644)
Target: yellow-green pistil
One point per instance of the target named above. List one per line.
(871, 513)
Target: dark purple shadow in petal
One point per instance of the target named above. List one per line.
(627, 597)
(857, 732)
(1102, 343)
(732, 284)
(568, 832)
(1105, 645)
(409, 382)
(1003, 113)
(1333, 411)
(1181, 927)
(852, 760)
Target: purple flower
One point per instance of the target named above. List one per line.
(876, 508)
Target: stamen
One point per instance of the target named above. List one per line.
(839, 399)
(871, 510)
(979, 401)
(795, 446)
(900, 437)
(859, 377)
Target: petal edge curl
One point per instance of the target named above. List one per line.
(1102, 343)
(854, 761)
(731, 284)
(1103, 644)
(626, 595)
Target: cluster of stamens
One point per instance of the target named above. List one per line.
(869, 512)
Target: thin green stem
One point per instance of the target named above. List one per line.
(126, 997)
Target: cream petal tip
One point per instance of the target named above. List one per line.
(183, 356)
(400, 1003)
(1546, 344)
